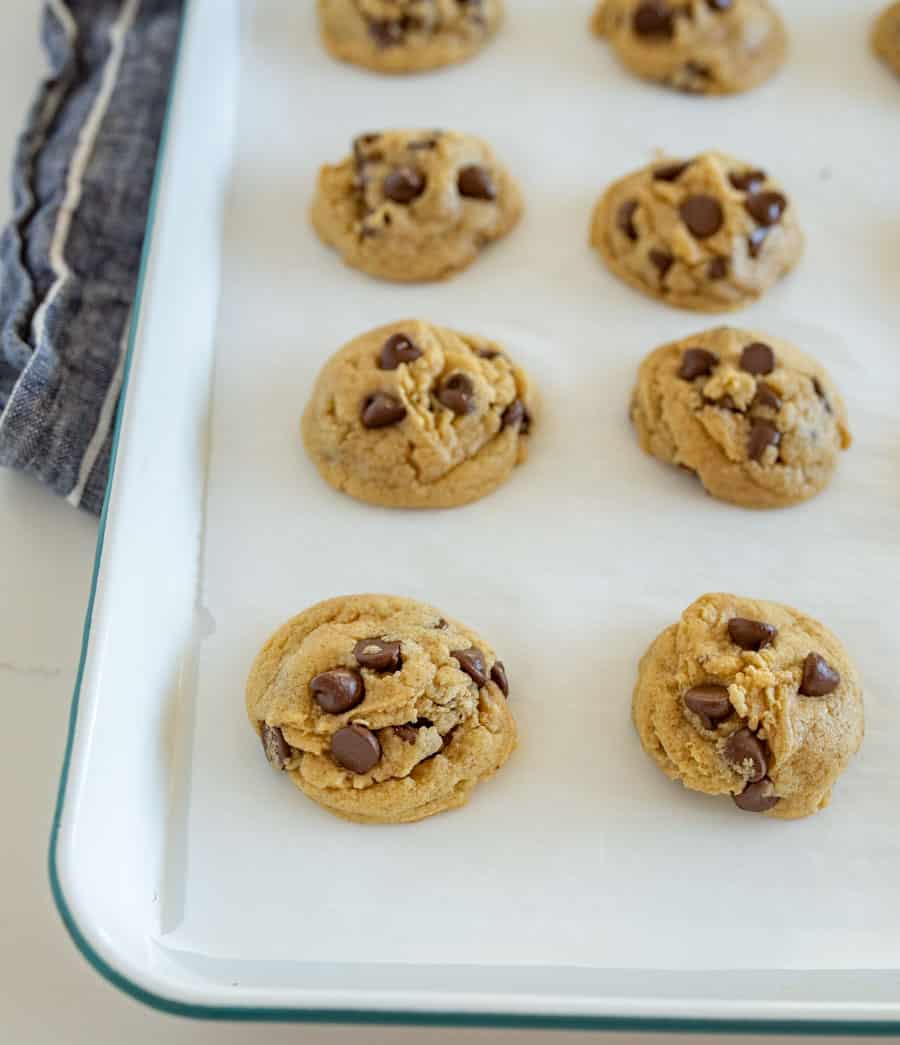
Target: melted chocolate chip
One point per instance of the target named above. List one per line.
(755, 241)
(819, 677)
(515, 415)
(625, 219)
(278, 750)
(671, 171)
(377, 654)
(489, 353)
(654, 18)
(356, 748)
(696, 362)
(380, 410)
(745, 747)
(499, 678)
(471, 661)
(396, 350)
(386, 32)
(748, 181)
(476, 183)
(717, 269)
(720, 5)
(751, 634)
(758, 358)
(662, 261)
(702, 214)
(338, 690)
(766, 396)
(407, 733)
(763, 434)
(758, 797)
(766, 207)
(709, 703)
(404, 184)
(725, 403)
(457, 393)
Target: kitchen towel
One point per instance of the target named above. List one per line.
(69, 258)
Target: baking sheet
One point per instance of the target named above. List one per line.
(580, 852)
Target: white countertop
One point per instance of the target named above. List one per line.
(47, 991)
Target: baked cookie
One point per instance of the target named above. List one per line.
(750, 699)
(413, 206)
(380, 709)
(413, 415)
(407, 36)
(710, 233)
(698, 46)
(886, 37)
(761, 423)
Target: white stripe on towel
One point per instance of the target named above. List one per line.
(64, 16)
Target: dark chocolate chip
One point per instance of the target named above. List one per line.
(471, 661)
(820, 392)
(720, 5)
(489, 353)
(625, 219)
(725, 403)
(766, 396)
(695, 71)
(819, 677)
(743, 747)
(442, 625)
(356, 748)
(717, 269)
(498, 676)
(386, 32)
(654, 18)
(702, 214)
(515, 415)
(766, 207)
(278, 750)
(396, 350)
(709, 703)
(380, 410)
(404, 184)
(671, 171)
(763, 434)
(748, 181)
(758, 797)
(377, 654)
(696, 362)
(755, 241)
(457, 393)
(476, 183)
(407, 733)
(758, 358)
(751, 634)
(338, 690)
(662, 261)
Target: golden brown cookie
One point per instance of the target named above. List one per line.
(407, 36)
(698, 46)
(414, 206)
(761, 423)
(711, 233)
(381, 709)
(413, 415)
(750, 699)
(886, 36)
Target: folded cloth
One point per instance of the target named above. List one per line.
(69, 257)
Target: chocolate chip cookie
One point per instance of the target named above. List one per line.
(413, 415)
(750, 699)
(761, 423)
(407, 36)
(413, 206)
(710, 233)
(698, 46)
(886, 37)
(381, 709)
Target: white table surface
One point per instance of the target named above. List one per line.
(47, 991)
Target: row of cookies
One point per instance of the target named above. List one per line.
(383, 710)
(710, 233)
(702, 47)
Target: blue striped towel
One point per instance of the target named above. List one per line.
(69, 257)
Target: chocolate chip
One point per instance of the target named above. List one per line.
(386, 32)
(743, 747)
(442, 625)
(755, 241)
(717, 269)
(766, 207)
(725, 403)
(408, 733)
(697, 362)
(654, 18)
(498, 676)
(471, 661)
(489, 353)
(766, 396)
(396, 350)
(516, 415)
(751, 634)
(720, 5)
(662, 261)
(671, 172)
(377, 654)
(709, 703)
(457, 393)
(702, 214)
(763, 434)
(758, 358)
(819, 677)
(356, 748)
(747, 181)
(695, 71)
(425, 143)
(380, 410)
(820, 392)
(338, 690)
(625, 219)
(758, 797)
(476, 183)
(404, 184)
(278, 750)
